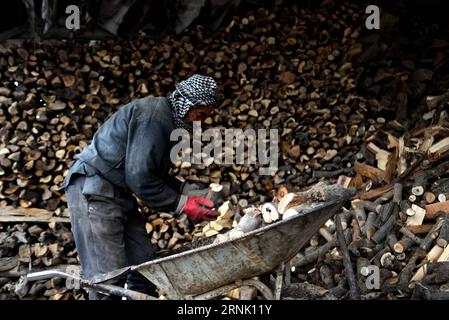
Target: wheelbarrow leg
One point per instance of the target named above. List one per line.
(278, 283)
(287, 273)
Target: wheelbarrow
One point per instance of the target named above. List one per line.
(215, 269)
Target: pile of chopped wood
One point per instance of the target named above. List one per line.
(35, 246)
(274, 71)
(399, 223)
(232, 223)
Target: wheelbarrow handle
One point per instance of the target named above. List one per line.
(46, 274)
(104, 288)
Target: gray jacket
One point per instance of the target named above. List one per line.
(131, 150)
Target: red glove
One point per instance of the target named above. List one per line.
(199, 209)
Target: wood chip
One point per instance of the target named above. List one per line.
(418, 217)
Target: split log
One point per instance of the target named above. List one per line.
(444, 255)
(376, 193)
(406, 273)
(418, 217)
(368, 171)
(431, 256)
(382, 156)
(344, 181)
(440, 148)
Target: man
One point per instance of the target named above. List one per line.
(130, 154)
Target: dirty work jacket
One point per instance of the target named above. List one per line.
(131, 150)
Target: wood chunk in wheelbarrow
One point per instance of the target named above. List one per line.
(186, 247)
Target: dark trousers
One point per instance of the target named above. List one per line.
(109, 231)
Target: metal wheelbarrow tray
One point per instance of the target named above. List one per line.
(197, 271)
(206, 271)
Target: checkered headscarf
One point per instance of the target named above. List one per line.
(196, 91)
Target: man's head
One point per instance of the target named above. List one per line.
(194, 99)
(198, 114)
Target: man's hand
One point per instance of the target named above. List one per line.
(199, 209)
(195, 189)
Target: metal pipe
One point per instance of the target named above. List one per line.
(103, 288)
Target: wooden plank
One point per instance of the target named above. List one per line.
(5, 219)
(441, 146)
(375, 174)
(10, 214)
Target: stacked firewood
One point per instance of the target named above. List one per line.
(31, 246)
(398, 223)
(53, 98)
(55, 95)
